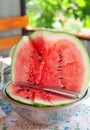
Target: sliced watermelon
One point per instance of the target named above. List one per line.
(23, 93)
(51, 59)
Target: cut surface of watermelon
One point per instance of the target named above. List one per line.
(23, 93)
(51, 59)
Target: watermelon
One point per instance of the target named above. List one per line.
(51, 59)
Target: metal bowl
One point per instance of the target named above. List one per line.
(6, 74)
(46, 115)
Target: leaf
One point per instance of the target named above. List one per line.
(44, 13)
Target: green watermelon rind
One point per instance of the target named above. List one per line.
(53, 105)
(37, 104)
(46, 34)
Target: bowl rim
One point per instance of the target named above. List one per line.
(22, 105)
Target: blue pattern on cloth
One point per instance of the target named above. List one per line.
(11, 120)
(6, 107)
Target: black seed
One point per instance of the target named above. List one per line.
(22, 89)
(39, 60)
(35, 83)
(40, 91)
(64, 87)
(60, 55)
(60, 60)
(32, 57)
(61, 78)
(19, 90)
(27, 97)
(30, 75)
(40, 54)
(59, 66)
(34, 52)
(28, 90)
(21, 86)
(29, 80)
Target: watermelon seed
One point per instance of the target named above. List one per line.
(27, 97)
(20, 90)
(35, 83)
(40, 91)
(34, 52)
(40, 54)
(39, 60)
(60, 55)
(59, 66)
(61, 78)
(28, 90)
(29, 80)
(64, 87)
(60, 60)
(30, 75)
(21, 86)
(32, 57)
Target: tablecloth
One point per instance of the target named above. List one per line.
(10, 120)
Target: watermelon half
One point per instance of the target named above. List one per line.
(51, 59)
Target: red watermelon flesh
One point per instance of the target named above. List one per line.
(56, 60)
(23, 93)
(52, 69)
(61, 64)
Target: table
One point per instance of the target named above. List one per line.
(10, 120)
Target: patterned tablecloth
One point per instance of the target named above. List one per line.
(10, 120)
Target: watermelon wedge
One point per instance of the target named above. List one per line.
(51, 59)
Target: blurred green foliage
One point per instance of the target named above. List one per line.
(59, 14)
